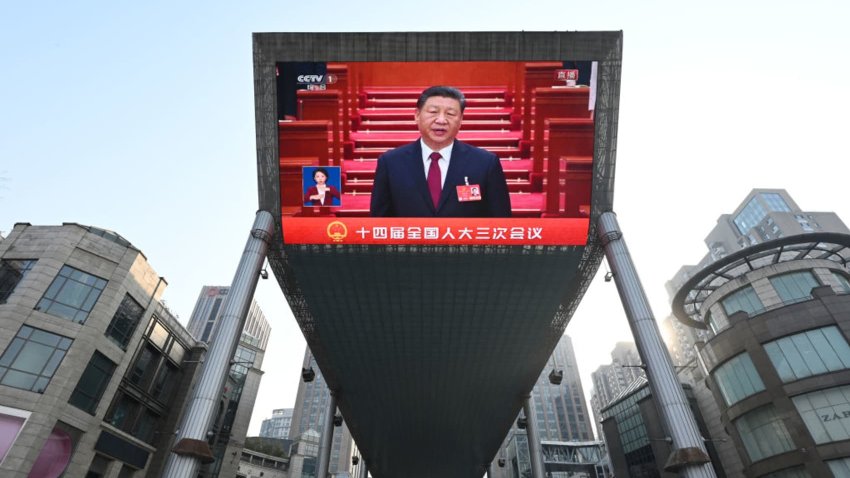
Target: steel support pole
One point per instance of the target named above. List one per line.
(192, 448)
(535, 450)
(689, 455)
(364, 471)
(324, 459)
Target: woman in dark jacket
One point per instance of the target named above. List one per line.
(322, 194)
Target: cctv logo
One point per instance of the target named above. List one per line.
(311, 79)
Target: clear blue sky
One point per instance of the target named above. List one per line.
(138, 117)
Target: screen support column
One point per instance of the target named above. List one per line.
(192, 448)
(324, 458)
(689, 455)
(535, 450)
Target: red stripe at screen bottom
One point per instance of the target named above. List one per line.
(436, 231)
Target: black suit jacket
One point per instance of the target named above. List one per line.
(400, 188)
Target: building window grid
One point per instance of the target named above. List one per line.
(751, 215)
(31, 359)
(763, 433)
(738, 379)
(243, 360)
(72, 294)
(795, 286)
(826, 413)
(124, 322)
(839, 467)
(151, 377)
(744, 299)
(812, 352)
(632, 431)
(158, 335)
(775, 202)
(12, 272)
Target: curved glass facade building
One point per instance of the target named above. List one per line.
(777, 360)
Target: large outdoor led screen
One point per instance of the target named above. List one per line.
(354, 152)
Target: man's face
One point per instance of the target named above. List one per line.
(439, 121)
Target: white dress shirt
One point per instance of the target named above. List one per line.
(446, 154)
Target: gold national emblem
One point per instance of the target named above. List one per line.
(337, 231)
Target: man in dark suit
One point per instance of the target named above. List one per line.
(438, 176)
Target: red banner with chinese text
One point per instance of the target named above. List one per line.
(436, 231)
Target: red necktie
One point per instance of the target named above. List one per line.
(435, 185)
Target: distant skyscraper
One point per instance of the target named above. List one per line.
(681, 340)
(560, 410)
(278, 425)
(243, 382)
(611, 380)
(311, 405)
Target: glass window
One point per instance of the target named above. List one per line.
(763, 433)
(716, 322)
(751, 215)
(93, 382)
(840, 467)
(11, 272)
(177, 352)
(205, 336)
(775, 202)
(145, 426)
(123, 412)
(754, 212)
(738, 379)
(843, 283)
(810, 353)
(798, 472)
(125, 321)
(243, 360)
(795, 286)
(159, 335)
(165, 381)
(826, 413)
(72, 294)
(32, 358)
(743, 299)
(144, 367)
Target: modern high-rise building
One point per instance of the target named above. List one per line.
(610, 380)
(243, 381)
(681, 340)
(772, 297)
(278, 425)
(94, 369)
(310, 413)
(560, 411)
